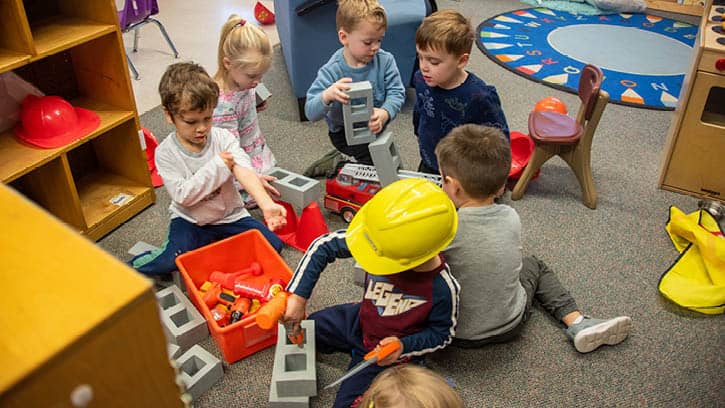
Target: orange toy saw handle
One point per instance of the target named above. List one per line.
(383, 351)
(269, 314)
(272, 311)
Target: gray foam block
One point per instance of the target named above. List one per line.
(358, 111)
(261, 93)
(275, 401)
(385, 157)
(294, 188)
(174, 350)
(182, 323)
(199, 370)
(294, 373)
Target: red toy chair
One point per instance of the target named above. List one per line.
(135, 14)
(556, 134)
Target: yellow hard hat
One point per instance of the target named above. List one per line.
(402, 226)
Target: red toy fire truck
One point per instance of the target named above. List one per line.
(355, 184)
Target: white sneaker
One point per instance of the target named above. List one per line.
(590, 333)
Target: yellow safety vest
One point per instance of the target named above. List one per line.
(696, 280)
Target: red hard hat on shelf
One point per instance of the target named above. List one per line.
(551, 103)
(50, 121)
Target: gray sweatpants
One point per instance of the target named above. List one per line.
(539, 283)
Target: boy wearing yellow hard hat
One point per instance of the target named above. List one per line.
(410, 295)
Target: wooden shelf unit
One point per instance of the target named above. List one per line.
(672, 6)
(695, 147)
(74, 49)
(74, 316)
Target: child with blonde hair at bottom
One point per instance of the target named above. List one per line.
(410, 386)
(244, 55)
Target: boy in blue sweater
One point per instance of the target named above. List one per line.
(361, 26)
(446, 94)
(410, 295)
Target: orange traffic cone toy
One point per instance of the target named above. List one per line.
(151, 144)
(301, 231)
(310, 226)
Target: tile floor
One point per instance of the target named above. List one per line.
(194, 28)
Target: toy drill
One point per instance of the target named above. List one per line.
(240, 307)
(272, 311)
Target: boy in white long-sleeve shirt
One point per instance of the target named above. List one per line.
(198, 164)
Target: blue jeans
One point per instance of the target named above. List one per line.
(337, 328)
(185, 236)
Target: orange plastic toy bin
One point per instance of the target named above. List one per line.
(243, 338)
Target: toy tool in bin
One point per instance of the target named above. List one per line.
(244, 337)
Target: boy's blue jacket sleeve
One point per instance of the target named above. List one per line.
(322, 252)
(315, 108)
(442, 319)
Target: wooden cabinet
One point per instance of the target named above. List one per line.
(74, 317)
(693, 156)
(74, 49)
(693, 8)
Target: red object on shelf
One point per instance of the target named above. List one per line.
(263, 14)
(244, 337)
(51, 121)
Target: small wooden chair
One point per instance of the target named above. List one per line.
(556, 134)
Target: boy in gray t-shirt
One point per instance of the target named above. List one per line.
(498, 285)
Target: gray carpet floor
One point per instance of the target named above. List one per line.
(610, 258)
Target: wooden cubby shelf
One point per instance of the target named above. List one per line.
(74, 49)
(672, 6)
(10, 59)
(61, 33)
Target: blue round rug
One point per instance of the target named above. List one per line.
(644, 58)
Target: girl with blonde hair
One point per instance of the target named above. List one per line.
(410, 386)
(244, 56)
